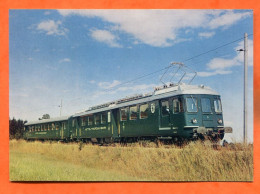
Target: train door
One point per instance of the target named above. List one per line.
(177, 118)
(74, 128)
(207, 113)
(115, 124)
(62, 130)
(165, 116)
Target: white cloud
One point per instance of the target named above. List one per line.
(92, 81)
(30, 58)
(228, 18)
(217, 72)
(222, 66)
(64, 60)
(118, 89)
(116, 93)
(106, 37)
(51, 67)
(137, 88)
(220, 63)
(161, 28)
(107, 85)
(206, 34)
(52, 27)
(240, 56)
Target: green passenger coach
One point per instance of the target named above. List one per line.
(48, 129)
(173, 112)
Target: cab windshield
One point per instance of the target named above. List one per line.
(191, 104)
(205, 104)
(217, 106)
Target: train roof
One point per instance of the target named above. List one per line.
(63, 118)
(159, 93)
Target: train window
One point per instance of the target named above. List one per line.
(217, 105)
(73, 122)
(52, 126)
(191, 103)
(57, 126)
(123, 113)
(46, 127)
(133, 113)
(165, 108)
(177, 105)
(97, 119)
(144, 111)
(64, 125)
(108, 117)
(103, 117)
(83, 121)
(90, 120)
(205, 105)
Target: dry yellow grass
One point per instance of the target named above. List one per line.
(196, 161)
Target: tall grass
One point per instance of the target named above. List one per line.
(196, 161)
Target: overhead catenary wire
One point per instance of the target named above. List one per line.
(185, 60)
(216, 48)
(159, 70)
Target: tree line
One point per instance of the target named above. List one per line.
(16, 128)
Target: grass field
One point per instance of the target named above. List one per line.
(52, 161)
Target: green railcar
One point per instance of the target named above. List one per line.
(48, 129)
(174, 112)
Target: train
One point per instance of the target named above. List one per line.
(174, 112)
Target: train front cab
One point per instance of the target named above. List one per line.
(193, 116)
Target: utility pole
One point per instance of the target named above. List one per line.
(245, 86)
(60, 106)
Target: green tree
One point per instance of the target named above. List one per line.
(16, 128)
(46, 116)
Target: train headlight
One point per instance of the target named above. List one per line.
(220, 121)
(194, 121)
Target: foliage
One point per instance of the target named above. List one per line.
(46, 116)
(196, 161)
(16, 128)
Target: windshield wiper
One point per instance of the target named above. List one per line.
(193, 100)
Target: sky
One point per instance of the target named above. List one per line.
(85, 57)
